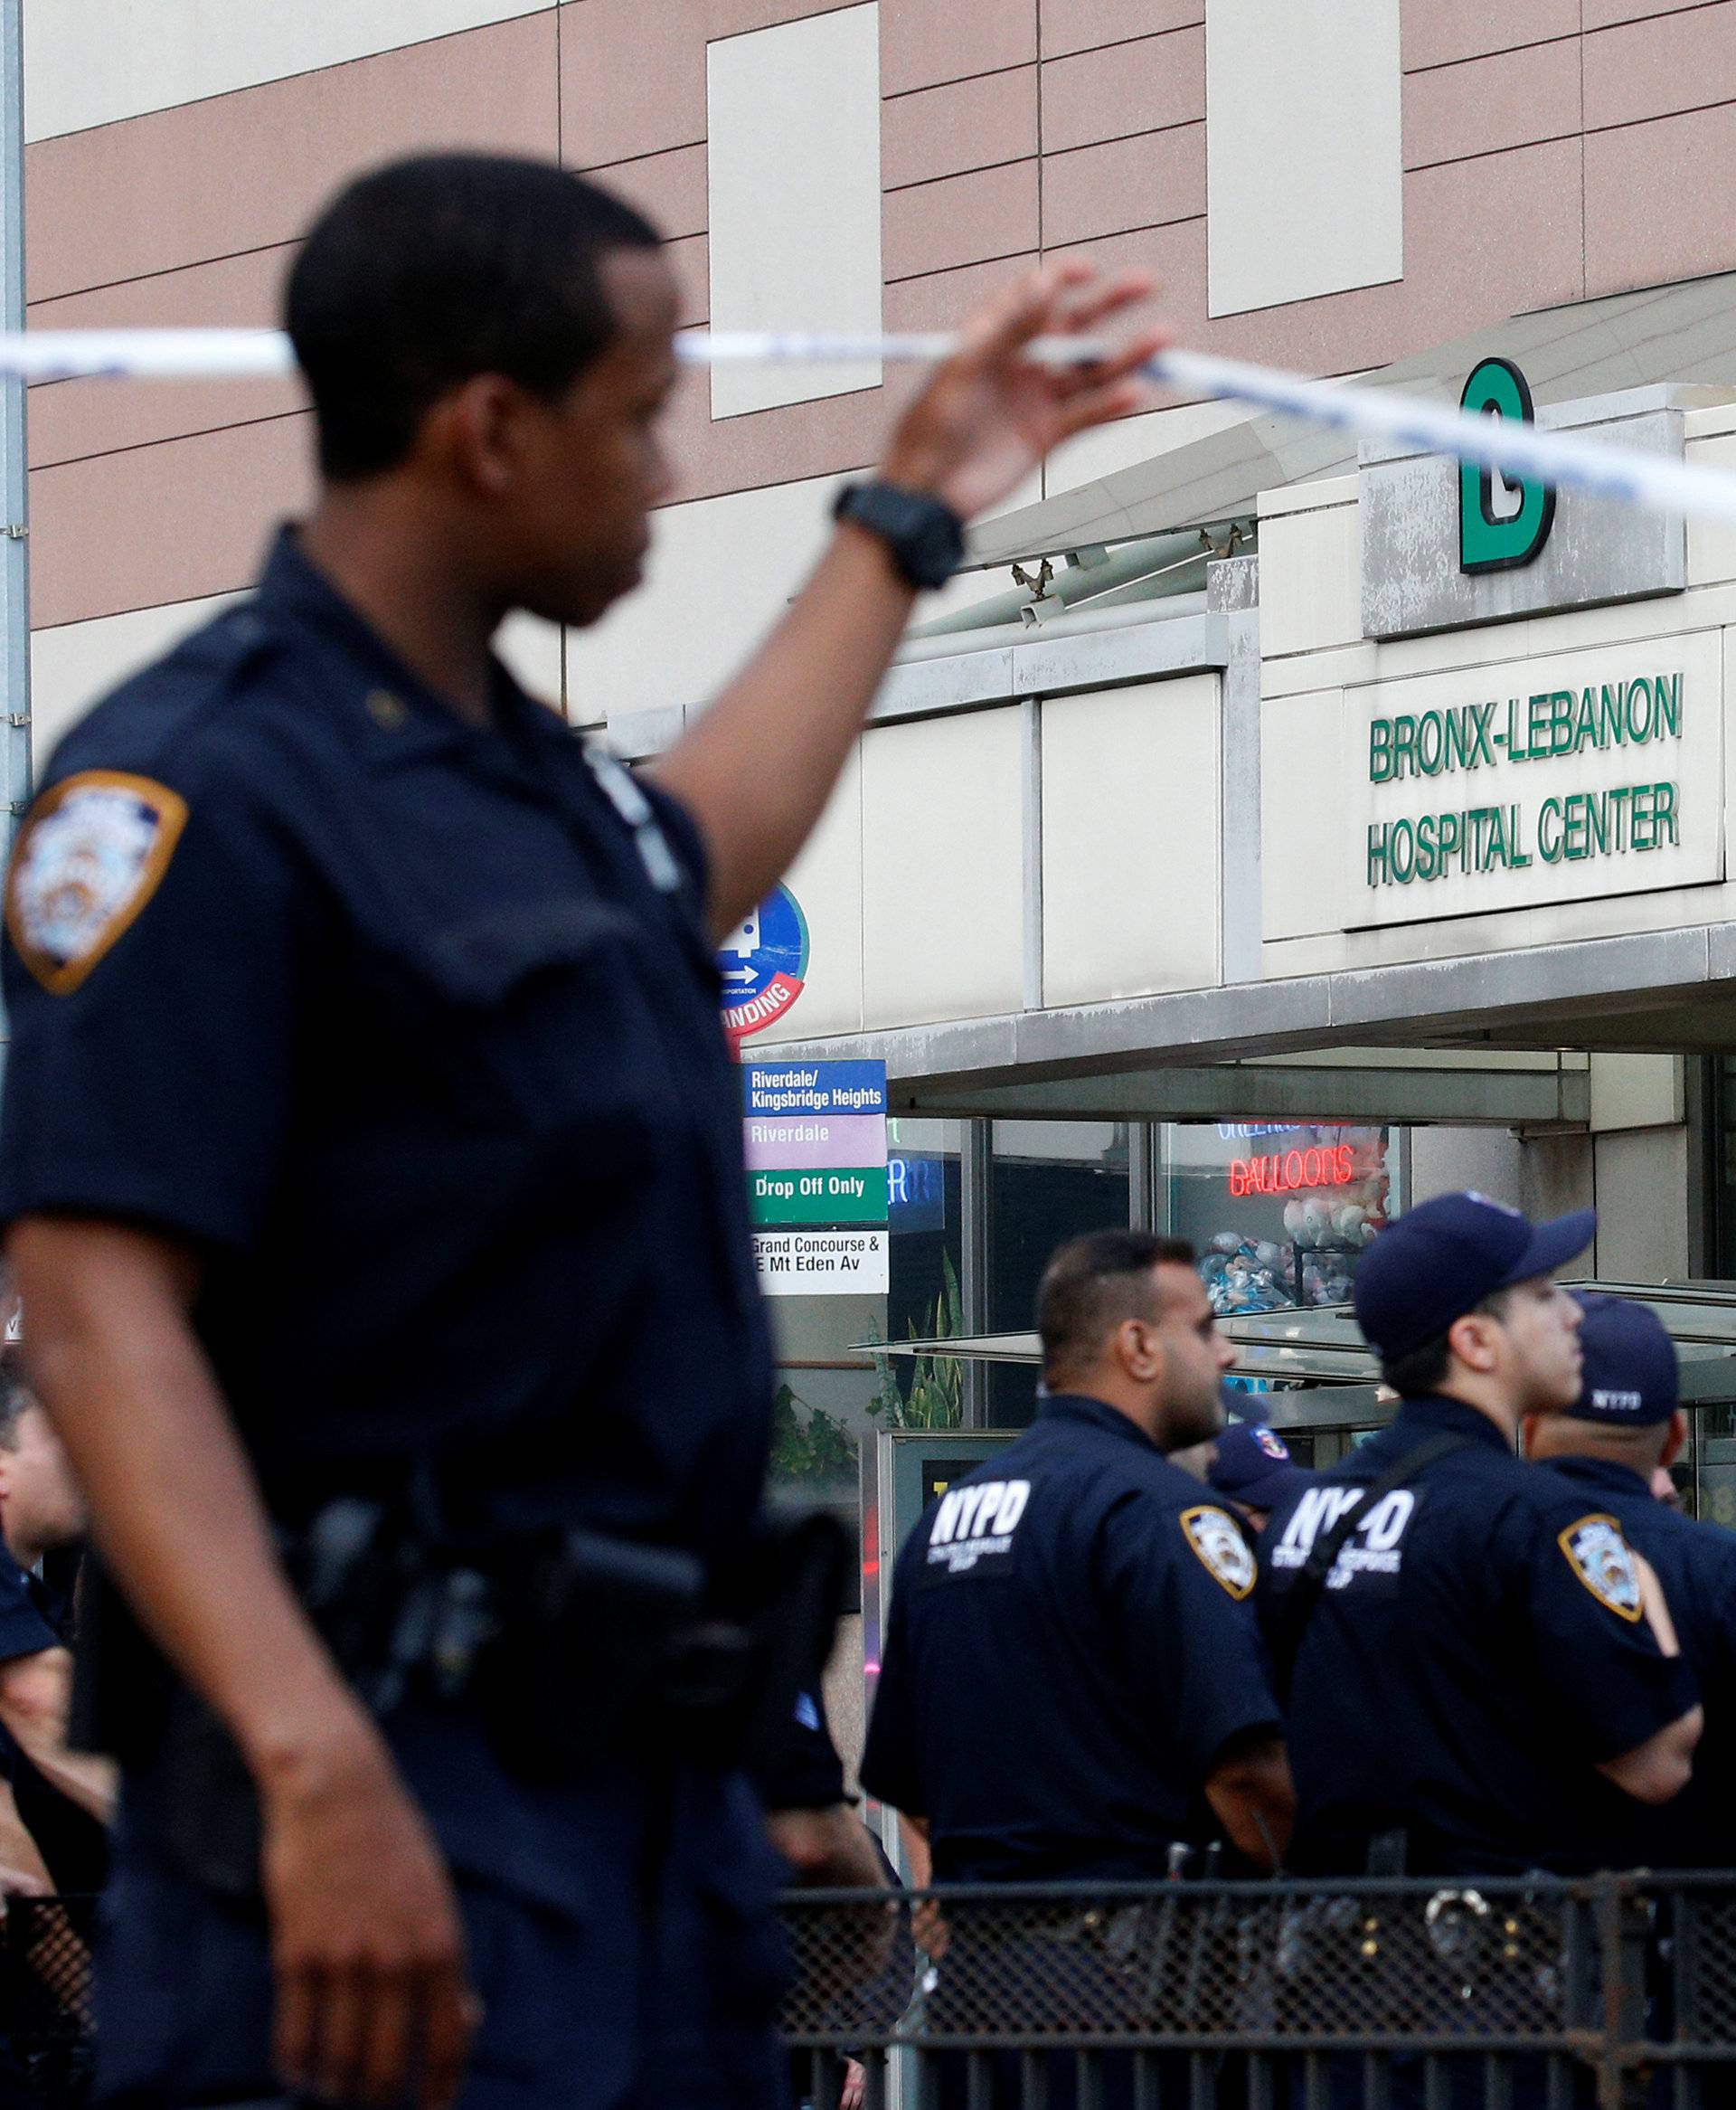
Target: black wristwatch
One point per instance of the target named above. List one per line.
(924, 534)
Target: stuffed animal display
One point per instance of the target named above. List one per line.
(1324, 1231)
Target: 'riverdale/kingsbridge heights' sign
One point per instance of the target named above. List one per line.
(1589, 774)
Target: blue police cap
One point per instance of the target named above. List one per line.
(1254, 1466)
(1440, 1260)
(1630, 1373)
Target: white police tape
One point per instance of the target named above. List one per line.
(1518, 450)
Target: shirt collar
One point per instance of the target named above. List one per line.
(1607, 1472)
(404, 716)
(1433, 1410)
(1096, 1414)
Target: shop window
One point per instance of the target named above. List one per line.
(925, 1299)
(1280, 1213)
(1049, 1180)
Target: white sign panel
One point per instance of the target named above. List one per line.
(1568, 778)
(817, 1264)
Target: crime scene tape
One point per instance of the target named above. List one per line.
(1653, 482)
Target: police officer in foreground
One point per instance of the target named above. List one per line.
(1625, 1425)
(1488, 1641)
(371, 1157)
(1072, 1684)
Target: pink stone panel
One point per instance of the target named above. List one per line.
(1081, 25)
(960, 220)
(1670, 62)
(632, 79)
(925, 42)
(827, 435)
(245, 171)
(162, 524)
(669, 189)
(71, 419)
(1484, 105)
(1126, 88)
(1437, 33)
(1600, 14)
(692, 262)
(964, 124)
(1660, 200)
(1147, 180)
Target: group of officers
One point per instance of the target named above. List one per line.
(1482, 1644)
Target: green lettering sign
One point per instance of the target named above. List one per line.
(1487, 542)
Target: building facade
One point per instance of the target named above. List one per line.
(1256, 837)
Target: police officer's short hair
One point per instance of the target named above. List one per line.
(1421, 1370)
(433, 270)
(1092, 1284)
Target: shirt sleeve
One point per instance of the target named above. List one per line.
(23, 1631)
(892, 1770)
(153, 935)
(1593, 1649)
(1180, 1585)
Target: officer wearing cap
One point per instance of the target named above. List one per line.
(1464, 1636)
(1251, 1468)
(1626, 1423)
(371, 1165)
(1071, 1661)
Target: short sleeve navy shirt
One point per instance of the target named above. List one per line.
(1480, 1649)
(25, 1626)
(1072, 1647)
(1696, 1567)
(412, 1033)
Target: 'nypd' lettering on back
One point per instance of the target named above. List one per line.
(1374, 1546)
(975, 1522)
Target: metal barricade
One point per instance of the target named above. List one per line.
(1500, 1994)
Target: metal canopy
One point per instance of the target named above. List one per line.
(1680, 333)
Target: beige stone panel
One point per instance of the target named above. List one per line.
(1141, 438)
(719, 575)
(961, 219)
(1132, 851)
(177, 522)
(924, 42)
(94, 61)
(827, 880)
(1712, 543)
(1147, 180)
(1310, 580)
(1644, 1234)
(669, 189)
(1660, 200)
(710, 457)
(793, 164)
(1438, 33)
(531, 648)
(1636, 1090)
(943, 900)
(1305, 165)
(76, 664)
(964, 124)
(1484, 105)
(1668, 62)
(1301, 857)
(245, 171)
(72, 419)
(1128, 88)
(1081, 25)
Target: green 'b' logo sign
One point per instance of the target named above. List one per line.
(1488, 540)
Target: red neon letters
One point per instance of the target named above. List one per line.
(1292, 1171)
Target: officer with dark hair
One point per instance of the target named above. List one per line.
(372, 1158)
(1626, 1424)
(1072, 1684)
(1464, 1638)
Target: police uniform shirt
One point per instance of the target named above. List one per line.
(1696, 1568)
(1479, 1649)
(1071, 1647)
(73, 1843)
(410, 1030)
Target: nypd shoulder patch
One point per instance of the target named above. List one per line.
(1216, 1536)
(1602, 1560)
(93, 852)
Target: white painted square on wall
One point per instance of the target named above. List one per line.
(793, 161)
(1304, 149)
